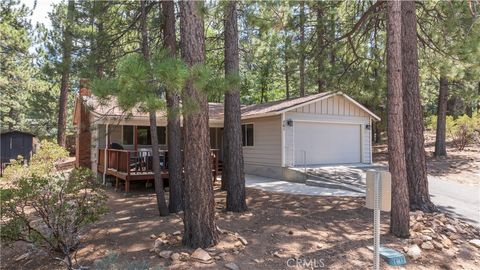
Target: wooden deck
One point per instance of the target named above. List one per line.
(130, 165)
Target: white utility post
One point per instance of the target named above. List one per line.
(379, 199)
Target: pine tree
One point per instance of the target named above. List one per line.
(65, 82)
(233, 173)
(199, 218)
(413, 114)
(399, 223)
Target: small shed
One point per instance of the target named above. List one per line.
(17, 143)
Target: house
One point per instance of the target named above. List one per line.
(324, 128)
(17, 143)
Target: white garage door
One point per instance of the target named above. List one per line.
(326, 143)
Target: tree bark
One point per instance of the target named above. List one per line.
(413, 115)
(320, 45)
(440, 148)
(302, 48)
(199, 217)
(161, 204)
(287, 69)
(174, 135)
(232, 135)
(399, 223)
(64, 84)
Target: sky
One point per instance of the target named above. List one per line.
(40, 14)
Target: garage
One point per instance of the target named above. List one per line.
(326, 143)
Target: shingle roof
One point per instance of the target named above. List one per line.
(277, 106)
(110, 107)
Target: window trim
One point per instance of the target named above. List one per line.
(253, 135)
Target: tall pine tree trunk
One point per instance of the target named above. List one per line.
(440, 147)
(161, 204)
(413, 115)
(320, 45)
(175, 166)
(199, 217)
(286, 67)
(233, 155)
(400, 219)
(302, 48)
(64, 84)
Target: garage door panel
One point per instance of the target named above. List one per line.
(326, 143)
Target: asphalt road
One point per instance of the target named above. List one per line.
(460, 200)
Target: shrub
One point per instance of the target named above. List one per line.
(463, 130)
(41, 163)
(51, 210)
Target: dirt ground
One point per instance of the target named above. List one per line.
(460, 166)
(328, 232)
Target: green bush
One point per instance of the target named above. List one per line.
(51, 210)
(41, 163)
(462, 131)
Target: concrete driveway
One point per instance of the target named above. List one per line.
(460, 200)
(279, 186)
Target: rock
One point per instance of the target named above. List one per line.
(177, 233)
(437, 245)
(417, 241)
(454, 236)
(446, 242)
(184, 256)
(232, 266)
(414, 252)
(165, 254)
(425, 237)
(222, 255)
(153, 236)
(259, 260)
(22, 257)
(475, 242)
(451, 228)
(427, 245)
(450, 253)
(157, 244)
(211, 249)
(276, 254)
(243, 240)
(175, 257)
(162, 235)
(201, 256)
(218, 258)
(417, 226)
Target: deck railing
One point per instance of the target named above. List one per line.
(139, 161)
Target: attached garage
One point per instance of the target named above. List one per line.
(325, 128)
(326, 143)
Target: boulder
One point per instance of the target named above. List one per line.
(232, 266)
(427, 245)
(475, 242)
(446, 242)
(201, 256)
(414, 252)
(175, 257)
(177, 233)
(437, 245)
(451, 228)
(417, 227)
(165, 254)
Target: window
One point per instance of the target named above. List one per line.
(247, 134)
(144, 136)
(127, 135)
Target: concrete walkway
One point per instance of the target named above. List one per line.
(279, 186)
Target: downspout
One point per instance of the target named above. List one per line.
(105, 159)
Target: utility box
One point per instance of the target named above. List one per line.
(384, 180)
